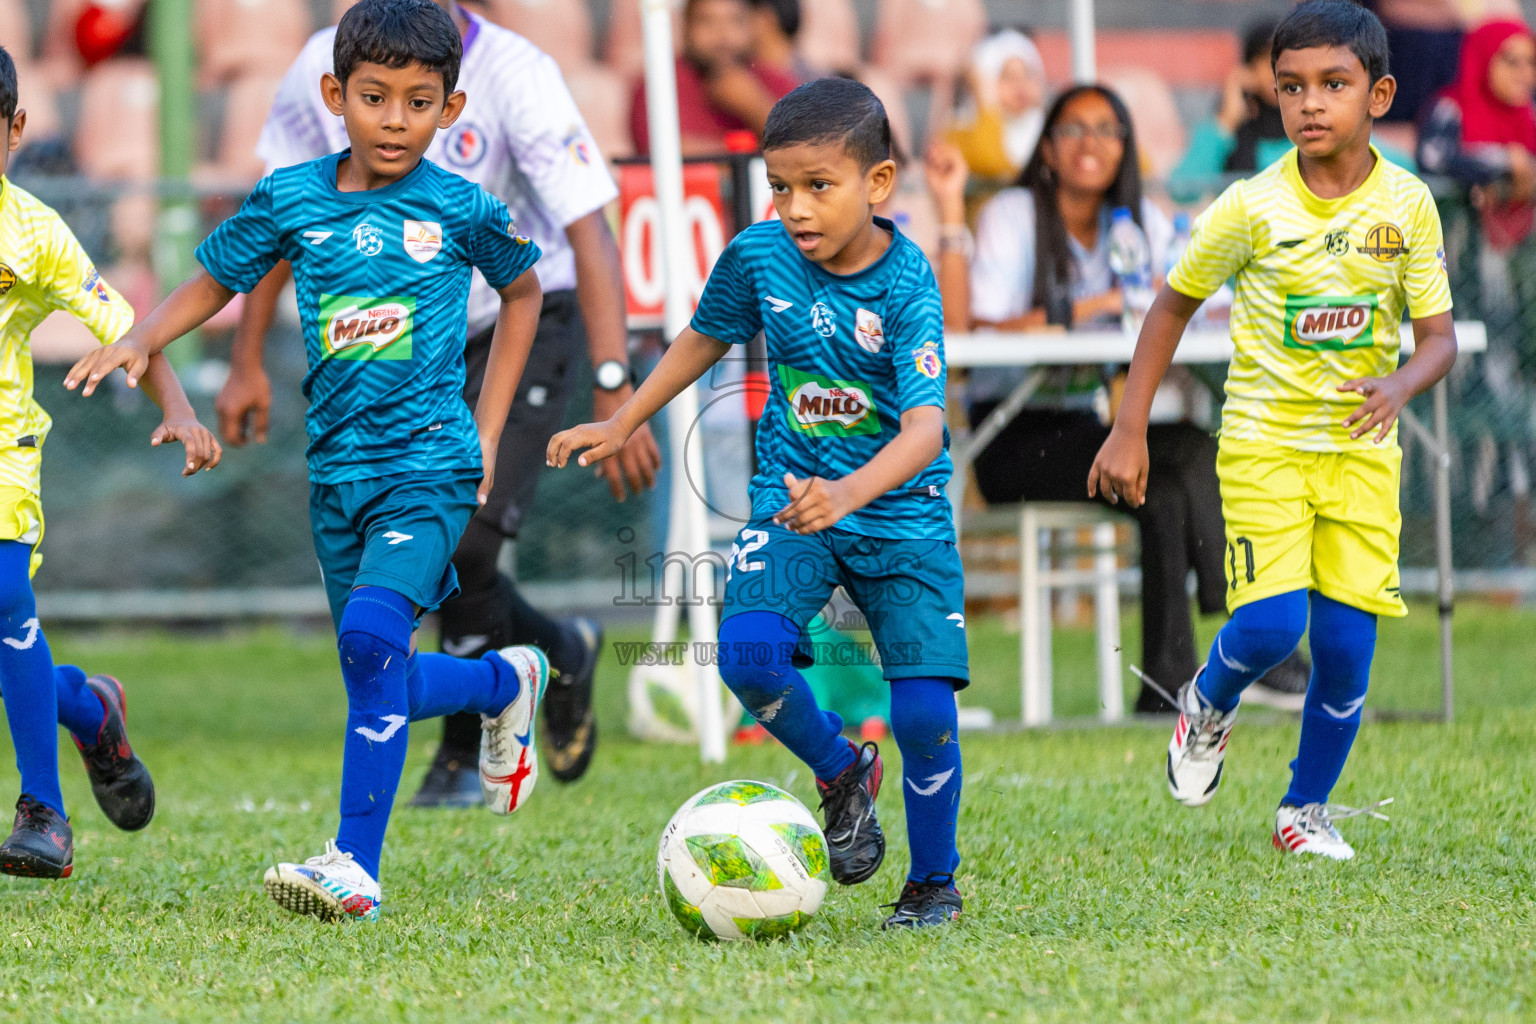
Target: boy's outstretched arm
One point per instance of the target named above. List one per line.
(1120, 468)
(179, 422)
(818, 503)
(1434, 352)
(515, 326)
(244, 403)
(180, 312)
(687, 359)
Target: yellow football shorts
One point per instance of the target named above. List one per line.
(1324, 521)
(21, 510)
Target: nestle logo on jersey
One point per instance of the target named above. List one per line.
(826, 407)
(354, 327)
(1330, 321)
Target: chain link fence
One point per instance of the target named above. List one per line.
(120, 520)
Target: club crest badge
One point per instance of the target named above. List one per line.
(423, 239)
(868, 330)
(927, 359)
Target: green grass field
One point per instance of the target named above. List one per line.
(1090, 895)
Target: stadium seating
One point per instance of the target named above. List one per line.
(246, 102)
(245, 37)
(15, 29)
(1160, 135)
(561, 28)
(117, 141)
(623, 46)
(602, 96)
(829, 34)
(926, 40)
(41, 102)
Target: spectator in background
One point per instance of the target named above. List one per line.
(1246, 134)
(719, 88)
(1042, 257)
(999, 123)
(1422, 38)
(775, 26)
(1482, 132)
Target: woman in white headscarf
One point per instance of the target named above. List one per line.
(999, 124)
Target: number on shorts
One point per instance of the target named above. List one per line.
(1247, 546)
(742, 549)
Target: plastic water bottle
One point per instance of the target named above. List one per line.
(1180, 242)
(1130, 257)
(1180, 239)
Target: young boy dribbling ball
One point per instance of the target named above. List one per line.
(43, 268)
(853, 459)
(382, 244)
(1330, 246)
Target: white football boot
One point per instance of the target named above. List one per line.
(332, 887)
(1198, 746)
(1310, 829)
(509, 764)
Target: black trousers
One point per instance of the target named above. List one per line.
(1045, 456)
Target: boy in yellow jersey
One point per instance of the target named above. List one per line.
(1330, 246)
(43, 268)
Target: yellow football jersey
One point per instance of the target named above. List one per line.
(42, 268)
(1322, 286)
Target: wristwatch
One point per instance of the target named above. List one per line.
(611, 375)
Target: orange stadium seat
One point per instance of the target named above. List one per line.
(1185, 59)
(1160, 134)
(561, 28)
(41, 102)
(15, 30)
(246, 103)
(245, 37)
(829, 34)
(117, 140)
(926, 40)
(623, 46)
(60, 59)
(602, 96)
(893, 98)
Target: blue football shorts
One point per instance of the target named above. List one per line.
(397, 531)
(911, 594)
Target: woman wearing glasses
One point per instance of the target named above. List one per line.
(1041, 259)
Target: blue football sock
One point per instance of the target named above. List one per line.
(373, 639)
(924, 722)
(80, 710)
(26, 679)
(1255, 639)
(755, 661)
(442, 685)
(1343, 643)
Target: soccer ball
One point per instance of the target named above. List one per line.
(743, 860)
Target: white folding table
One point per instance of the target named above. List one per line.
(1039, 350)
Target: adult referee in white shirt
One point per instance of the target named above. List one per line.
(521, 138)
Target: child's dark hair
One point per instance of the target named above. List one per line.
(1259, 40)
(8, 97)
(397, 34)
(1054, 266)
(832, 110)
(1335, 23)
(785, 12)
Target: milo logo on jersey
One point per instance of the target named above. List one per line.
(357, 327)
(825, 407)
(1332, 322)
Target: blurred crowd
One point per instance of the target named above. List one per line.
(1011, 178)
(1199, 99)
